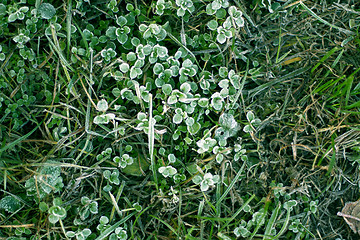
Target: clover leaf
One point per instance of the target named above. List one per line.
(167, 171)
(184, 5)
(46, 10)
(10, 204)
(206, 181)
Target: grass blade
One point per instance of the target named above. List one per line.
(284, 227)
(151, 137)
(271, 222)
(109, 230)
(10, 145)
(348, 32)
(237, 212)
(68, 27)
(293, 74)
(166, 224)
(327, 55)
(231, 185)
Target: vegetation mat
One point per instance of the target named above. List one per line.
(179, 119)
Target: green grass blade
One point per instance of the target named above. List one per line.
(327, 85)
(333, 157)
(12, 144)
(109, 230)
(237, 212)
(271, 222)
(327, 55)
(236, 178)
(333, 65)
(348, 32)
(266, 207)
(291, 75)
(151, 137)
(68, 26)
(284, 227)
(166, 224)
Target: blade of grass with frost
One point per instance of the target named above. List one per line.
(262, 218)
(326, 56)
(136, 220)
(349, 86)
(115, 205)
(68, 27)
(284, 227)
(287, 96)
(83, 37)
(182, 33)
(118, 195)
(199, 213)
(293, 74)
(326, 22)
(237, 212)
(56, 47)
(239, 91)
(109, 230)
(12, 144)
(166, 224)
(242, 9)
(37, 3)
(87, 126)
(138, 94)
(63, 228)
(271, 222)
(217, 194)
(179, 213)
(182, 45)
(279, 47)
(152, 140)
(230, 186)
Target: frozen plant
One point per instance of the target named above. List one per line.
(161, 5)
(173, 193)
(205, 145)
(108, 54)
(167, 171)
(188, 69)
(79, 234)
(57, 212)
(217, 4)
(104, 118)
(206, 181)
(119, 234)
(153, 30)
(89, 206)
(223, 34)
(184, 5)
(236, 17)
(253, 122)
(124, 161)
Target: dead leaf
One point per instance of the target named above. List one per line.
(351, 215)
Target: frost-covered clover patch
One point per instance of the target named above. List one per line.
(206, 181)
(253, 122)
(206, 145)
(228, 127)
(124, 160)
(10, 204)
(46, 181)
(167, 171)
(103, 118)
